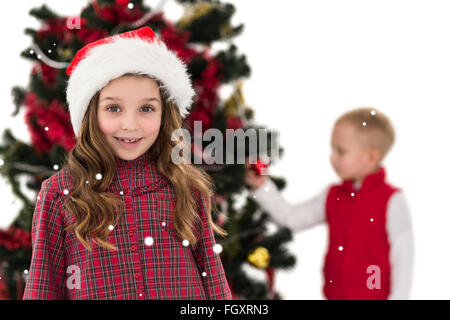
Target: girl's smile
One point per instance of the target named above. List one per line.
(128, 142)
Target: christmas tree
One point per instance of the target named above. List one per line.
(249, 241)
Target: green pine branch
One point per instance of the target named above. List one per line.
(43, 13)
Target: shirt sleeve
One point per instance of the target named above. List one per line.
(399, 229)
(47, 269)
(296, 217)
(209, 263)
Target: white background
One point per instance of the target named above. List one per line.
(312, 61)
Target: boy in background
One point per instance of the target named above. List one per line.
(370, 251)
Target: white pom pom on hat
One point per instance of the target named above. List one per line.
(137, 51)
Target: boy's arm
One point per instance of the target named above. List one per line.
(399, 229)
(296, 217)
(47, 269)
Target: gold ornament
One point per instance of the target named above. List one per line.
(235, 102)
(230, 108)
(260, 258)
(194, 12)
(64, 53)
(226, 30)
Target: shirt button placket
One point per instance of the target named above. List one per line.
(134, 244)
(136, 261)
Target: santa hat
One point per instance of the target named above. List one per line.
(137, 51)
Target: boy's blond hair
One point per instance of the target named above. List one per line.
(376, 129)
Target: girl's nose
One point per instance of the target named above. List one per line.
(130, 123)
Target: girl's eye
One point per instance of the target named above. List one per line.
(144, 107)
(149, 107)
(111, 107)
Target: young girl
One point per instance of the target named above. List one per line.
(121, 220)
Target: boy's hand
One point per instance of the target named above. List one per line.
(252, 178)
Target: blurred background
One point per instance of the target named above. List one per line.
(310, 62)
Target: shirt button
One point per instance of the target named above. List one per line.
(131, 233)
(137, 275)
(133, 248)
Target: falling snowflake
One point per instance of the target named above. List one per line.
(217, 248)
(148, 241)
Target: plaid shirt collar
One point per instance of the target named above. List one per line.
(137, 175)
(139, 161)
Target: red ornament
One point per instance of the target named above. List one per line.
(259, 167)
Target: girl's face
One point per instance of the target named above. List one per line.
(130, 107)
(350, 159)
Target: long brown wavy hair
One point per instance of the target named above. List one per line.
(95, 210)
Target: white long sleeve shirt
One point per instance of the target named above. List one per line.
(312, 212)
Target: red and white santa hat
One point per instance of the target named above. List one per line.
(137, 51)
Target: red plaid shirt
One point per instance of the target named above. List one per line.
(151, 261)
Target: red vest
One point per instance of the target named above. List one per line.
(357, 263)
